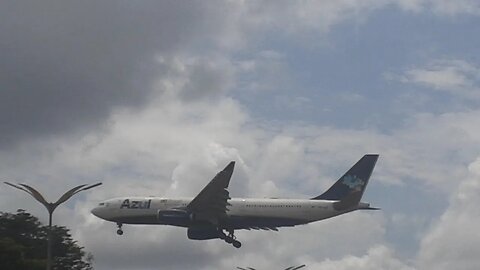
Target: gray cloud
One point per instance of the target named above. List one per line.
(193, 78)
(66, 65)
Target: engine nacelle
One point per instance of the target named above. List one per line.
(173, 213)
(176, 217)
(202, 232)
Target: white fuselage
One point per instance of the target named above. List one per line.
(241, 214)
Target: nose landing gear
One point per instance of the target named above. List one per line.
(119, 231)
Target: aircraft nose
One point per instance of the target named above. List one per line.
(95, 211)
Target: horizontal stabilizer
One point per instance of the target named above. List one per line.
(370, 208)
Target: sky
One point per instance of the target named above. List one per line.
(156, 97)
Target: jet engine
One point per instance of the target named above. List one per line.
(175, 217)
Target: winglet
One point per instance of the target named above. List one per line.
(225, 175)
(229, 169)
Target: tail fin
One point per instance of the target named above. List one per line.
(348, 190)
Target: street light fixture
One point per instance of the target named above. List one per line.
(288, 268)
(51, 207)
(295, 268)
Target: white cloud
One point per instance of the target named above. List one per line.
(379, 257)
(292, 103)
(194, 78)
(456, 7)
(456, 77)
(441, 7)
(248, 21)
(174, 147)
(454, 241)
(411, 5)
(198, 150)
(266, 71)
(353, 234)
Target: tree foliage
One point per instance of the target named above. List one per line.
(23, 245)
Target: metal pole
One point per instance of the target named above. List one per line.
(49, 245)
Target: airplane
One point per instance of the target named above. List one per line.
(212, 214)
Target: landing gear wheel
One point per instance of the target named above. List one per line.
(231, 239)
(119, 231)
(237, 244)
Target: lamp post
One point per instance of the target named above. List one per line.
(51, 207)
(288, 268)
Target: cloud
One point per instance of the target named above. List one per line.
(456, 77)
(139, 158)
(169, 149)
(453, 241)
(66, 66)
(307, 244)
(265, 72)
(441, 7)
(378, 257)
(194, 78)
(456, 7)
(164, 159)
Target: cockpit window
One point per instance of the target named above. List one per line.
(101, 204)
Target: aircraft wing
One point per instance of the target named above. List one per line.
(264, 223)
(211, 203)
(265, 227)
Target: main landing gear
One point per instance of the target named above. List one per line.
(119, 231)
(230, 238)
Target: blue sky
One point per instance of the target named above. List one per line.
(342, 73)
(153, 98)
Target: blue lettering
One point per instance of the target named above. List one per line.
(135, 204)
(125, 204)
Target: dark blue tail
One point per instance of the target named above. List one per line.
(350, 187)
